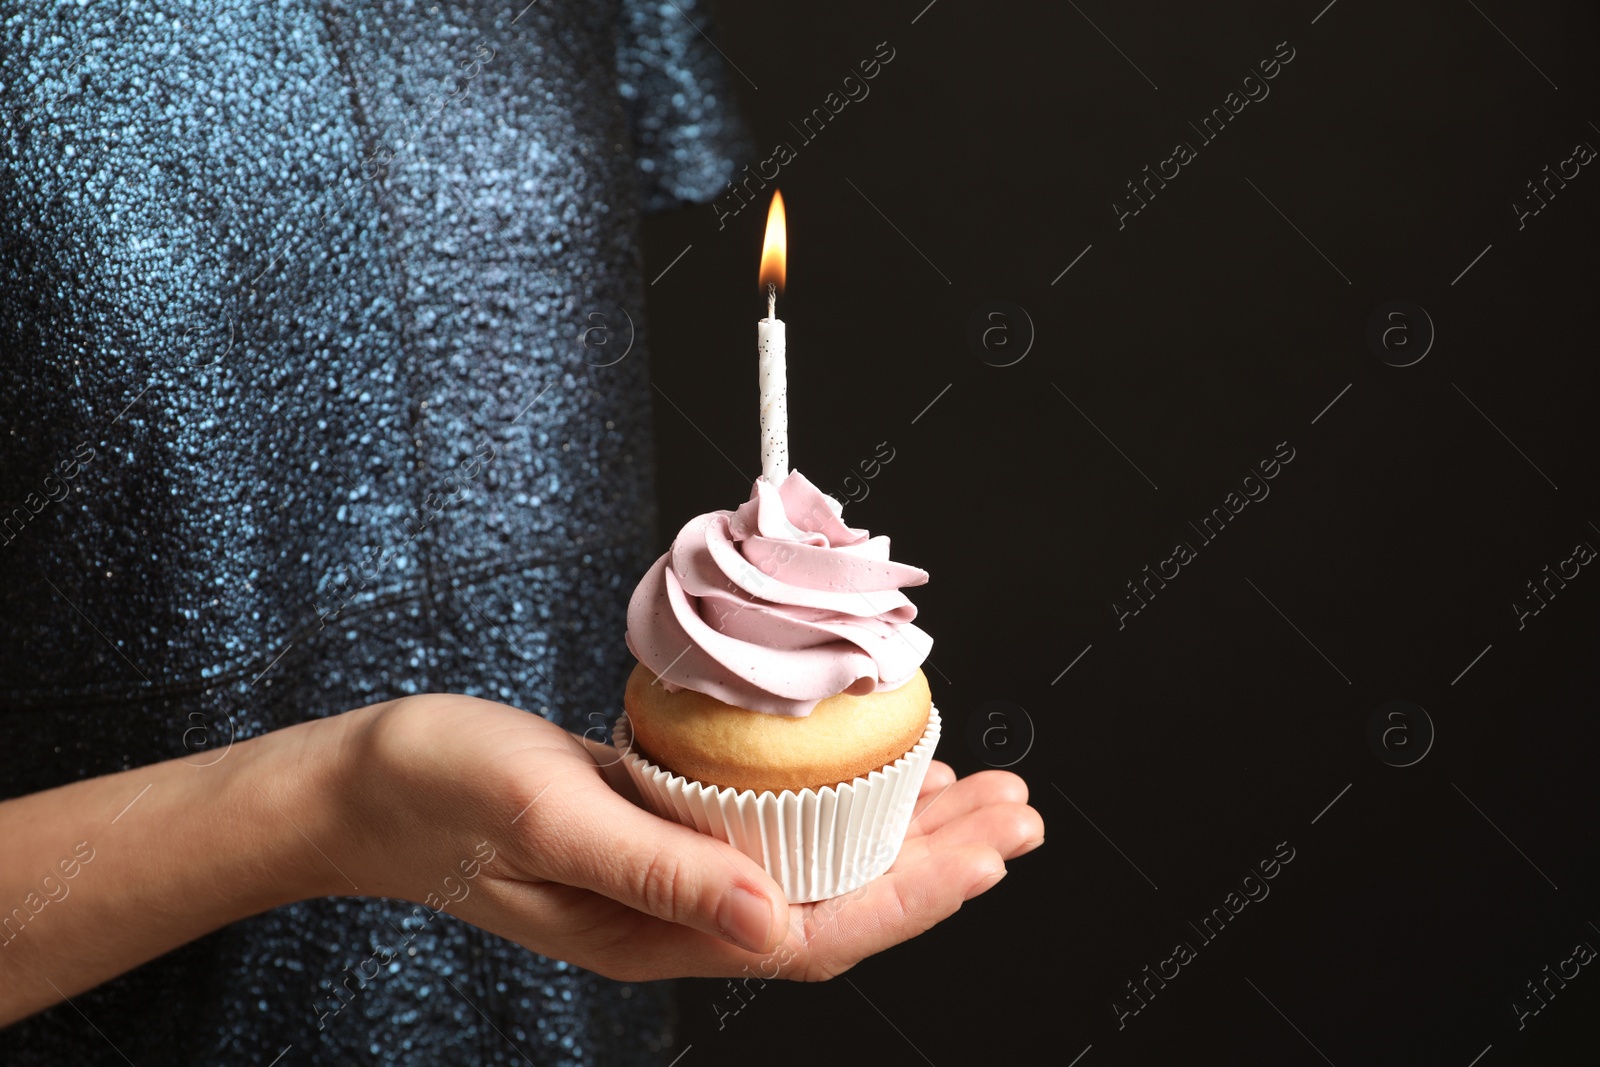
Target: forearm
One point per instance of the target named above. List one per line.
(101, 875)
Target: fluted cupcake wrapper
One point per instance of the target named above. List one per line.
(816, 844)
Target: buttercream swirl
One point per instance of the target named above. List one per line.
(777, 605)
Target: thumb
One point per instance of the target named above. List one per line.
(664, 869)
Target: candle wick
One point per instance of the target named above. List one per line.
(772, 301)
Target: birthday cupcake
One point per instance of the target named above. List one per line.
(779, 702)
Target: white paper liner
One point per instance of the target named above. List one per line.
(816, 844)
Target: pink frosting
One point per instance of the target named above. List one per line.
(777, 605)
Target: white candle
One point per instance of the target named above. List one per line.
(771, 371)
(774, 398)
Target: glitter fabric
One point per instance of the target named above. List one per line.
(304, 407)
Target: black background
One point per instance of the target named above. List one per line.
(1226, 716)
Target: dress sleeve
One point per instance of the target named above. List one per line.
(688, 136)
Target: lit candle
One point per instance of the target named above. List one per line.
(770, 343)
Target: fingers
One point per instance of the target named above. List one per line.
(1010, 829)
(968, 794)
(823, 939)
(599, 841)
(658, 889)
(909, 900)
(939, 777)
(610, 938)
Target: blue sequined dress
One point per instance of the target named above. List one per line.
(303, 408)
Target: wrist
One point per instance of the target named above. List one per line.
(295, 786)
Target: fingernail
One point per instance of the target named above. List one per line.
(745, 919)
(987, 882)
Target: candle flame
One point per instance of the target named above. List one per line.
(775, 247)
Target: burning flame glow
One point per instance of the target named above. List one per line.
(775, 247)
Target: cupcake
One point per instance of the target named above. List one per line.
(779, 702)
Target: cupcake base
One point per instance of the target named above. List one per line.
(816, 843)
(717, 744)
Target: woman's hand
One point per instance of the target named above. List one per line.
(507, 821)
(465, 806)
